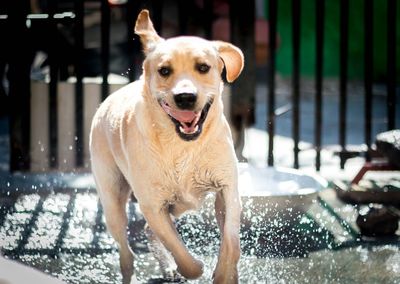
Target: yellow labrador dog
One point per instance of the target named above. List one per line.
(165, 138)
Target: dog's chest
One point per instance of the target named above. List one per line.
(188, 186)
(191, 172)
(194, 179)
(180, 178)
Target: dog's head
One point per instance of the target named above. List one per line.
(184, 74)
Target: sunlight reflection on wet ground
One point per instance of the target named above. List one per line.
(62, 233)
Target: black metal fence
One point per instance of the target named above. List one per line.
(23, 32)
(343, 77)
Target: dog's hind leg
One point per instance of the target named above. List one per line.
(114, 193)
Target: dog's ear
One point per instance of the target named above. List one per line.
(232, 57)
(145, 30)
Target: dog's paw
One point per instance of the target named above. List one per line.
(225, 278)
(193, 270)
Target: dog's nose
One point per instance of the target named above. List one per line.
(185, 100)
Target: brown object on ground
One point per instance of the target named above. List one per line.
(377, 221)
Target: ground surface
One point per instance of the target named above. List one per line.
(60, 230)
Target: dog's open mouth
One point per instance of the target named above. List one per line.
(188, 123)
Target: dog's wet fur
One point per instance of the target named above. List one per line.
(165, 138)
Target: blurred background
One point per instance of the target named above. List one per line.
(321, 77)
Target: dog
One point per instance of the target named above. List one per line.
(165, 138)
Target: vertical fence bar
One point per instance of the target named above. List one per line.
(208, 18)
(53, 108)
(105, 47)
(157, 9)
(296, 14)
(79, 46)
(272, 15)
(368, 69)
(183, 19)
(242, 32)
(344, 29)
(320, 24)
(19, 66)
(134, 47)
(391, 63)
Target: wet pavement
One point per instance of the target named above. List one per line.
(60, 230)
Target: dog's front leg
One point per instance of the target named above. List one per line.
(162, 226)
(228, 210)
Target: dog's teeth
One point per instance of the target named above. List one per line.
(181, 129)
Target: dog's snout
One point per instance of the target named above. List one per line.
(185, 100)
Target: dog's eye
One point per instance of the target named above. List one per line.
(203, 68)
(165, 71)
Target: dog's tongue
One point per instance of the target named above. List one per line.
(181, 115)
(187, 118)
